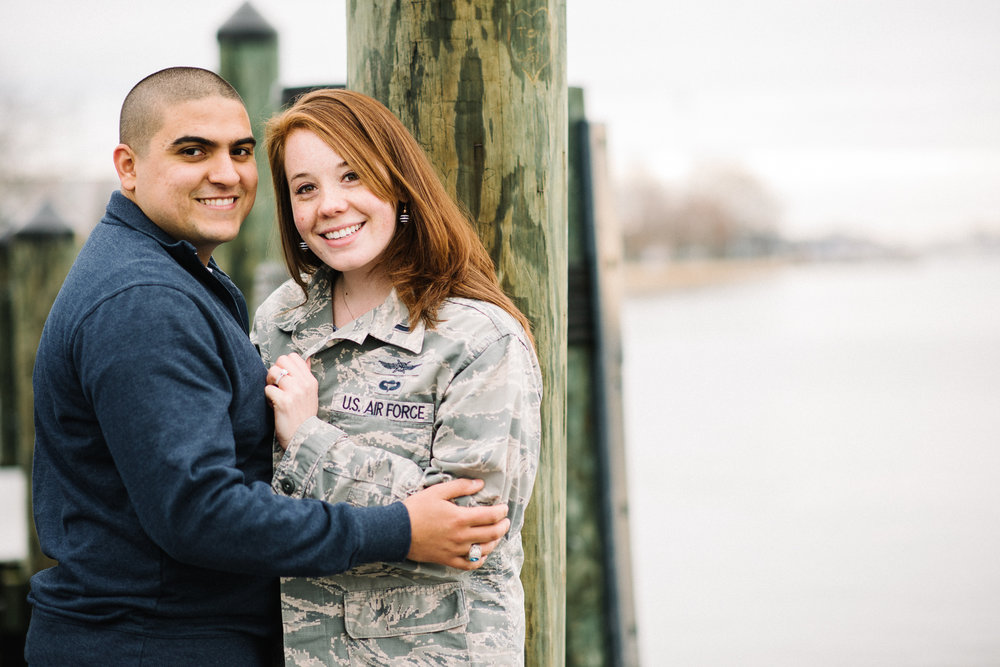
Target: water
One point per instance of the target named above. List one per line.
(814, 462)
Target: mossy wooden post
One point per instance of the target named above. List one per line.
(588, 638)
(248, 59)
(8, 407)
(608, 248)
(40, 255)
(482, 86)
(600, 623)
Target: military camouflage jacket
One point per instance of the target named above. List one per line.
(399, 410)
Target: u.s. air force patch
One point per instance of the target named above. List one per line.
(369, 406)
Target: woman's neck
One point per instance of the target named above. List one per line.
(354, 295)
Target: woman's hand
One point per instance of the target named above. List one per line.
(294, 393)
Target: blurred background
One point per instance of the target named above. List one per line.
(808, 193)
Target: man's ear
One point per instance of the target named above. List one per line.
(125, 164)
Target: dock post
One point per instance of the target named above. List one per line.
(482, 87)
(248, 59)
(40, 255)
(601, 627)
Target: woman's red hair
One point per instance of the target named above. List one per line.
(438, 253)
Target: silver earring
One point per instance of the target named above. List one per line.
(404, 215)
(303, 246)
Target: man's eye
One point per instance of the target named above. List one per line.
(243, 152)
(192, 151)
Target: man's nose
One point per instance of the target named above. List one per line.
(223, 170)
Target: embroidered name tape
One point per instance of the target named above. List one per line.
(368, 406)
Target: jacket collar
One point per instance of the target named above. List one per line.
(123, 211)
(126, 212)
(311, 324)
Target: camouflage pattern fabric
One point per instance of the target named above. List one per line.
(400, 410)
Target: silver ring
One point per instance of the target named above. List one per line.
(475, 553)
(281, 373)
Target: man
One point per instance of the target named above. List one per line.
(153, 434)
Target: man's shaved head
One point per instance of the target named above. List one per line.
(142, 110)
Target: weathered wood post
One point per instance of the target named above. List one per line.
(13, 575)
(8, 407)
(40, 255)
(600, 623)
(248, 59)
(482, 86)
(588, 641)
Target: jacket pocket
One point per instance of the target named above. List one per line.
(373, 479)
(405, 610)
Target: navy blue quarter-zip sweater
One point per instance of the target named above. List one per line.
(152, 466)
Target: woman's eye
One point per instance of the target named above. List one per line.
(304, 189)
(351, 176)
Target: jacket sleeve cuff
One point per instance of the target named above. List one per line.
(295, 474)
(385, 533)
(382, 533)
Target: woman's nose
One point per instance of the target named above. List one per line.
(333, 202)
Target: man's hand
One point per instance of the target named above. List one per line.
(442, 532)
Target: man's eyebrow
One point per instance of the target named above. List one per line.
(192, 139)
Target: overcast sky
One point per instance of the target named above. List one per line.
(877, 115)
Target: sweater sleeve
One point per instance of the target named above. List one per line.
(162, 391)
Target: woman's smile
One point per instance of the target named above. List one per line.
(343, 232)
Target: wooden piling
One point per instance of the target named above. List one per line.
(588, 636)
(248, 59)
(8, 407)
(40, 255)
(482, 86)
(601, 622)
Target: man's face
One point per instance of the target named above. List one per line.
(197, 178)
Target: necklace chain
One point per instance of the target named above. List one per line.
(343, 297)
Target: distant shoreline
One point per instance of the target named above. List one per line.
(642, 279)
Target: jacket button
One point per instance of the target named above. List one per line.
(288, 486)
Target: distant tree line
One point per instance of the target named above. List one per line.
(721, 212)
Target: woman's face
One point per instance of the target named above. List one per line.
(344, 224)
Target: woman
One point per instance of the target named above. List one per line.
(419, 370)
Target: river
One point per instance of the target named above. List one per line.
(814, 467)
